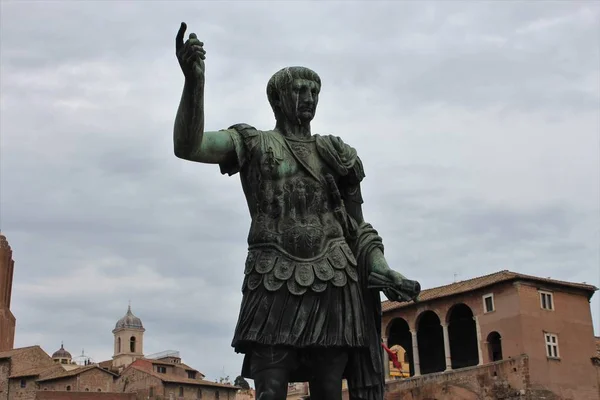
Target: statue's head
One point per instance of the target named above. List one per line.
(293, 93)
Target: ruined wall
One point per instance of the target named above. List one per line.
(7, 319)
(507, 380)
(48, 395)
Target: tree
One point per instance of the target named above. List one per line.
(241, 382)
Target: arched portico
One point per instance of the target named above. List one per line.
(462, 336)
(430, 342)
(399, 334)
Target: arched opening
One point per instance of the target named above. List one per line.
(118, 345)
(430, 339)
(399, 335)
(494, 346)
(68, 388)
(132, 344)
(462, 335)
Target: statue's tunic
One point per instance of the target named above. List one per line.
(301, 282)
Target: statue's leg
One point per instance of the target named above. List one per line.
(271, 368)
(327, 371)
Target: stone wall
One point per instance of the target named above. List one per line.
(4, 374)
(190, 392)
(92, 380)
(507, 380)
(144, 384)
(48, 395)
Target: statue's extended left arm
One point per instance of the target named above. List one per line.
(403, 289)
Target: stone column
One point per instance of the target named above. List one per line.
(447, 347)
(478, 330)
(386, 361)
(415, 348)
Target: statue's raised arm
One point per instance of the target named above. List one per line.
(189, 139)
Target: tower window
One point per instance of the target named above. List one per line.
(118, 345)
(132, 344)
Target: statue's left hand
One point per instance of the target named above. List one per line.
(401, 289)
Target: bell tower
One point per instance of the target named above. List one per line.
(129, 340)
(7, 319)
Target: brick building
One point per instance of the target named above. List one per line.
(7, 319)
(90, 378)
(29, 373)
(163, 379)
(482, 326)
(19, 370)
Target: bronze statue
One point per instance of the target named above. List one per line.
(311, 310)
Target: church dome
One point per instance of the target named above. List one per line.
(61, 353)
(129, 321)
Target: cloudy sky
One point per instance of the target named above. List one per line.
(478, 124)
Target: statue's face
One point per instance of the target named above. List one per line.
(299, 101)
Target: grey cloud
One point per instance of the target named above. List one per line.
(461, 113)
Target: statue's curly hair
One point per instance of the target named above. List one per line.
(281, 80)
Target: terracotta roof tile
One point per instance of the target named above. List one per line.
(481, 282)
(10, 353)
(170, 378)
(37, 371)
(179, 365)
(73, 372)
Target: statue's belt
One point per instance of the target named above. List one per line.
(273, 268)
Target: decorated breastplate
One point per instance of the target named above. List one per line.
(292, 206)
(273, 269)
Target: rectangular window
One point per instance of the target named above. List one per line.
(546, 300)
(552, 345)
(161, 370)
(488, 303)
(191, 374)
(199, 395)
(23, 383)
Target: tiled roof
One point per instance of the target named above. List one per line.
(10, 353)
(73, 372)
(171, 378)
(36, 371)
(597, 346)
(481, 282)
(105, 364)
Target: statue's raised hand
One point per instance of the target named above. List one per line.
(190, 55)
